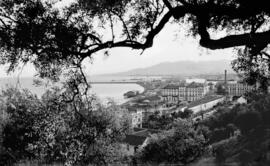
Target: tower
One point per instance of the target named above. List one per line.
(225, 77)
(225, 83)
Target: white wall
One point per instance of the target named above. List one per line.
(197, 80)
(206, 106)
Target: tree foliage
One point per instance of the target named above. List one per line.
(55, 39)
(18, 131)
(52, 130)
(246, 117)
(180, 145)
(165, 122)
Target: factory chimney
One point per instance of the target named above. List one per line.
(225, 81)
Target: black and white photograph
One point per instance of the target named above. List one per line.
(134, 83)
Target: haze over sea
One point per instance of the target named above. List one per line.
(103, 91)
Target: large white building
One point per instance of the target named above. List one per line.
(195, 91)
(170, 93)
(196, 80)
(184, 92)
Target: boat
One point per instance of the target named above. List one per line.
(130, 94)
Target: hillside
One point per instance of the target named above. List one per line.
(183, 68)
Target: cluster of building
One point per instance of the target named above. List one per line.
(196, 95)
(139, 111)
(139, 114)
(193, 91)
(189, 95)
(184, 92)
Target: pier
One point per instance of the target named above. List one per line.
(114, 82)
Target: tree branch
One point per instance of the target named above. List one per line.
(168, 4)
(202, 12)
(235, 40)
(133, 44)
(124, 24)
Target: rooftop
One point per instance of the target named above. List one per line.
(198, 80)
(206, 99)
(191, 85)
(131, 108)
(146, 132)
(134, 140)
(171, 86)
(139, 136)
(194, 85)
(153, 98)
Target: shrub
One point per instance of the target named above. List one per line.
(181, 145)
(224, 149)
(18, 130)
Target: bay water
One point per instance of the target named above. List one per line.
(105, 92)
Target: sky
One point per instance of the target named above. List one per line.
(170, 45)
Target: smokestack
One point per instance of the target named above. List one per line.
(225, 80)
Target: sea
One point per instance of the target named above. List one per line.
(105, 92)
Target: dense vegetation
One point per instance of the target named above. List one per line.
(165, 122)
(180, 145)
(51, 130)
(238, 135)
(241, 134)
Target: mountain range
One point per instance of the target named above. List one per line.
(183, 68)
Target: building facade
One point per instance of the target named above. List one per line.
(170, 93)
(195, 91)
(238, 89)
(184, 92)
(134, 115)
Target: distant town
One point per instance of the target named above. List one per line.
(193, 98)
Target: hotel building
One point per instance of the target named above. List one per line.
(184, 92)
(170, 93)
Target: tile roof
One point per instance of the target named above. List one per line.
(131, 108)
(139, 136)
(182, 84)
(135, 129)
(134, 140)
(146, 132)
(153, 98)
(171, 86)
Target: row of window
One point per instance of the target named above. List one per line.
(184, 93)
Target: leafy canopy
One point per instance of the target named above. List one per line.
(55, 39)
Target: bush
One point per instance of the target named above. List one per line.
(18, 130)
(224, 149)
(181, 145)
